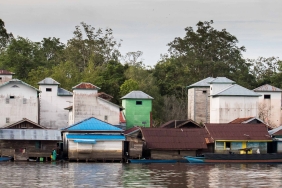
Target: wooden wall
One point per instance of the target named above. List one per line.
(171, 154)
(135, 147)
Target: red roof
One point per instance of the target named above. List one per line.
(238, 131)
(121, 118)
(131, 130)
(84, 85)
(174, 139)
(105, 96)
(181, 124)
(240, 120)
(5, 72)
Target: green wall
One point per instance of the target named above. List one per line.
(136, 114)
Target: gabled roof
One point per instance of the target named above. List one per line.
(5, 72)
(64, 92)
(131, 130)
(16, 81)
(122, 117)
(236, 90)
(174, 139)
(202, 83)
(246, 120)
(276, 131)
(137, 95)
(181, 124)
(105, 96)
(23, 121)
(225, 131)
(84, 85)
(267, 87)
(222, 80)
(30, 134)
(48, 81)
(92, 124)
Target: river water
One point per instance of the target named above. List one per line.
(35, 174)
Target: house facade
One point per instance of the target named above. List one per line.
(269, 106)
(5, 76)
(137, 109)
(18, 100)
(87, 102)
(53, 100)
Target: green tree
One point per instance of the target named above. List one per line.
(128, 86)
(5, 37)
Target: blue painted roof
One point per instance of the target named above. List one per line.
(92, 124)
(95, 137)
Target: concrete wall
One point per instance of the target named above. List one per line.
(199, 104)
(52, 112)
(224, 109)
(87, 104)
(5, 78)
(270, 109)
(136, 114)
(23, 105)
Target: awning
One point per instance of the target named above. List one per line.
(85, 141)
(96, 137)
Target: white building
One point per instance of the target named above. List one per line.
(18, 100)
(53, 100)
(269, 107)
(87, 103)
(5, 76)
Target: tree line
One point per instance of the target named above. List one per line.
(92, 55)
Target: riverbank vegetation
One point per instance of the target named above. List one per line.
(92, 55)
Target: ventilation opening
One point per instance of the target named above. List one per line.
(205, 91)
(138, 102)
(12, 97)
(48, 89)
(266, 96)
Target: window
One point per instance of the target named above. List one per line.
(0, 78)
(38, 145)
(205, 91)
(138, 102)
(227, 145)
(106, 118)
(24, 100)
(7, 100)
(12, 97)
(266, 96)
(7, 120)
(49, 89)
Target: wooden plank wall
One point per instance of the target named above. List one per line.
(171, 154)
(135, 147)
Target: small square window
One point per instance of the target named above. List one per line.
(266, 96)
(106, 118)
(205, 91)
(12, 97)
(138, 102)
(49, 89)
(7, 120)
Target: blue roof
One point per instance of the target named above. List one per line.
(92, 124)
(92, 137)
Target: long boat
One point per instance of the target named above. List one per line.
(236, 158)
(152, 161)
(5, 159)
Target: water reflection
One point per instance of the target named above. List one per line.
(23, 174)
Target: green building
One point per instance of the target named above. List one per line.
(137, 109)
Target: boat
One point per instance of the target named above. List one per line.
(236, 158)
(152, 161)
(5, 159)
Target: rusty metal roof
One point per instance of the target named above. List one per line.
(181, 124)
(30, 134)
(246, 132)
(268, 87)
(131, 130)
(241, 120)
(22, 121)
(174, 139)
(84, 85)
(5, 72)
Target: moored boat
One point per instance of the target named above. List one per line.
(152, 161)
(236, 158)
(5, 159)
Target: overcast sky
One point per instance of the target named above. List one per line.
(148, 25)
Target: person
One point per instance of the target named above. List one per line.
(54, 155)
(258, 152)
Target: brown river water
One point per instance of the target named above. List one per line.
(49, 175)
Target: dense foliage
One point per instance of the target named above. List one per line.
(92, 55)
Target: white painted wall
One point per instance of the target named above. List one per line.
(224, 109)
(216, 88)
(191, 104)
(5, 78)
(270, 109)
(86, 103)
(16, 110)
(52, 112)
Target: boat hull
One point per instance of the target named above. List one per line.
(151, 161)
(236, 158)
(5, 159)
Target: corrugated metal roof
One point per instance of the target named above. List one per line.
(22, 121)
(276, 131)
(237, 90)
(92, 124)
(174, 139)
(63, 92)
(241, 120)
(5, 72)
(268, 87)
(95, 137)
(16, 81)
(131, 130)
(84, 85)
(227, 131)
(48, 81)
(137, 95)
(181, 124)
(202, 83)
(30, 134)
(222, 80)
(105, 96)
